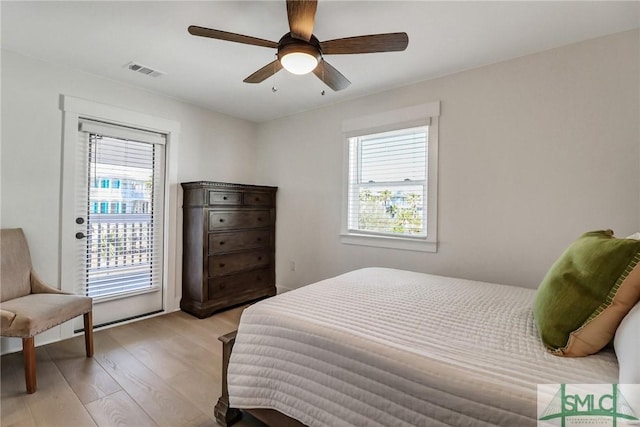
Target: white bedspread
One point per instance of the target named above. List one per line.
(384, 347)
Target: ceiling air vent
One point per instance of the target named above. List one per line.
(143, 69)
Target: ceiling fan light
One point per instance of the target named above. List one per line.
(299, 62)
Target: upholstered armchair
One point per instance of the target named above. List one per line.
(28, 306)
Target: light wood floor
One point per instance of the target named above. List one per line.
(162, 371)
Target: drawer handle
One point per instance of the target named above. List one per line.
(224, 197)
(221, 243)
(221, 265)
(259, 219)
(222, 285)
(257, 199)
(259, 239)
(221, 220)
(258, 279)
(259, 258)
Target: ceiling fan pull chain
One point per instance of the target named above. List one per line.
(274, 88)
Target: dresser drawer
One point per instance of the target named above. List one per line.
(225, 198)
(237, 283)
(258, 199)
(239, 240)
(230, 263)
(239, 219)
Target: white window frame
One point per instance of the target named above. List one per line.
(73, 108)
(417, 115)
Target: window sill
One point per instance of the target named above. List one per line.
(389, 242)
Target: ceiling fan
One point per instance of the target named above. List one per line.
(300, 52)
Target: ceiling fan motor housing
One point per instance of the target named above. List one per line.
(288, 44)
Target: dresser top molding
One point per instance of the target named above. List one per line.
(226, 185)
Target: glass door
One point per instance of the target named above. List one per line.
(119, 207)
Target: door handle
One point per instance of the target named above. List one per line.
(80, 235)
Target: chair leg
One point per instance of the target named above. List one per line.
(29, 355)
(88, 333)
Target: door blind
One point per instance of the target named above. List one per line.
(122, 205)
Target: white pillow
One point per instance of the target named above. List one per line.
(634, 236)
(627, 346)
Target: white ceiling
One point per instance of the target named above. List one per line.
(444, 37)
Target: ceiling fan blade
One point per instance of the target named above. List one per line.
(302, 15)
(390, 42)
(231, 37)
(330, 76)
(264, 73)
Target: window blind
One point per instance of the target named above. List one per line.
(120, 132)
(388, 183)
(122, 203)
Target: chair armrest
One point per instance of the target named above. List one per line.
(40, 287)
(6, 318)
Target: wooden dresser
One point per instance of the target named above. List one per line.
(228, 255)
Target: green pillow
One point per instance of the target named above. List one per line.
(587, 292)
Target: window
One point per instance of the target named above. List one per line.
(122, 253)
(387, 183)
(391, 179)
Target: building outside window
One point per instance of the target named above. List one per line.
(388, 183)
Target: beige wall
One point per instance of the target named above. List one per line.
(533, 152)
(212, 147)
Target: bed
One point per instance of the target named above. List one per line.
(386, 347)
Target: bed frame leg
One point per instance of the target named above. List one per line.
(225, 415)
